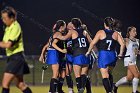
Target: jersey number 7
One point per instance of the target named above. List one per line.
(109, 42)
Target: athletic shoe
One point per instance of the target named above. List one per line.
(81, 90)
(61, 91)
(136, 92)
(115, 88)
(71, 91)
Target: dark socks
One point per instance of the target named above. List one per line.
(107, 85)
(88, 85)
(27, 90)
(53, 85)
(5, 90)
(111, 80)
(69, 81)
(83, 80)
(60, 84)
(78, 83)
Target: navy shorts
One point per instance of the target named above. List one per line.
(107, 58)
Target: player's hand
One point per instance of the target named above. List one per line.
(84, 27)
(87, 53)
(64, 51)
(41, 58)
(120, 56)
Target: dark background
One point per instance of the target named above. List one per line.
(47, 12)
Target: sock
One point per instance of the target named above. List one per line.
(135, 84)
(27, 90)
(53, 85)
(78, 83)
(69, 81)
(5, 90)
(121, 81)
(111, 80)
(83, 80)
(60, 83)
(88, 85)
(107, 85)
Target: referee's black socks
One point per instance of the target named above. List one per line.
(60, 84)
(53, 85)
(107, 85)
(27, 90)
(88, 85)
(5, 90)
(69, 81)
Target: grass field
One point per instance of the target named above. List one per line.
(34, 78)
(44, 89)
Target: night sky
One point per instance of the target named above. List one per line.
(47, 12)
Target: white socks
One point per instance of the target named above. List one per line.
(135, 84)
(121, 81)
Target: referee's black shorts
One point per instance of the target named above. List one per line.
(17, 65)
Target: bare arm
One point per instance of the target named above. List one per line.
(69, 35)
(41, 58)
(94, 41)
(6, 44)
(88, 36)
(54, 43)
(122, 44)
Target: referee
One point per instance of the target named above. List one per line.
(16, 66)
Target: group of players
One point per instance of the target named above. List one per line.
(71, 47)
(74, 44)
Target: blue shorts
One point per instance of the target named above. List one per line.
(107, 58)
(81, 60)
(69, 58)
(52, 57)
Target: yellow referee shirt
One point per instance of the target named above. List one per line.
(13, 33)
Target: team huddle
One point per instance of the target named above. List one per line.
(70, 47)
(74, 44)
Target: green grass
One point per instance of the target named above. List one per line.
(118, 73)
(44, 89)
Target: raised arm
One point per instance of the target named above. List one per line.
(67, 36)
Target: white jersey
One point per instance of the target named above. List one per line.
(132, 49)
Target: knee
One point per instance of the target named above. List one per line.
(130, 77)
(137, 75)
(55, 74)
(5, 84)
(105, 75)
(21, 86)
